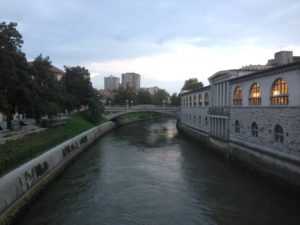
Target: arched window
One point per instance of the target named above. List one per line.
(200, 100)
(254, 129)
(279, 95)
(237, 126)
(255, 94)
(238, 96)
(195, 100)
(206, 99)
(278, 134)
(191, 102)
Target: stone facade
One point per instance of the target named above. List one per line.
(251, 113)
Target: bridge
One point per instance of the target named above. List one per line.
(115, 111)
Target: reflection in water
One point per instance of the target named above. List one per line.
(146, 173)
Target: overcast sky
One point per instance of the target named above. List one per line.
(166, 41)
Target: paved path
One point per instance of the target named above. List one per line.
(6, 135)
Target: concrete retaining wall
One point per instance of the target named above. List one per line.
(279, 166)
(19, 186)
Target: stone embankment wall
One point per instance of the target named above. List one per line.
(279, 166)
(19, 186)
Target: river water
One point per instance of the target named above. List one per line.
(148, 174)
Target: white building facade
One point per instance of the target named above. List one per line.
(253, 116)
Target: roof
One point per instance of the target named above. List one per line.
(268, 72)
(186, 92)
(56, 70)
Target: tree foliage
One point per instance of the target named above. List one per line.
(77, 82)
(125, 95)
(192, 84)
(144, 97)
(160, 96)
(14, 77)
(175, 99)
(46, 92)
(33, 89)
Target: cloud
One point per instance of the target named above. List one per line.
(183, 61)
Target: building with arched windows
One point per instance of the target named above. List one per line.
(251, 114)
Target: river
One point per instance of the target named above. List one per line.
(148, 174)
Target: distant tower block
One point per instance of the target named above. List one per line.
(131, 80)
(111, 83)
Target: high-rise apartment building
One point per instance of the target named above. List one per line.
(111, 83)
(131, 80)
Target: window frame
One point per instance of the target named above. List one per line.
(237, 127)
(206, 99)
(254, 129)
(255, 89)
(238, 96)
(278, 134)
(282, 96)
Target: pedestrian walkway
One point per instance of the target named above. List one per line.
(7, 135)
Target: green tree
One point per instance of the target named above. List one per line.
(160, 96)
(175, 99)
(14, 77)
(81, 92)
(124, 95)
(77, 83)
(192, 84)
(48, 94)
(144, 97)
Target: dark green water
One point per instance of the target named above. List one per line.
(147, 174)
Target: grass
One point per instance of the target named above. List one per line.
(16, 152)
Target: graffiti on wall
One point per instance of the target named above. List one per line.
(32, 175)
(70, 148)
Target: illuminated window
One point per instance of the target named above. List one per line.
(278, 134)
(195, 100)
(237, 126)
(238, 96)
(254, 129)
(200, 100)
(255, 94)
(280, 92)
(206, 99)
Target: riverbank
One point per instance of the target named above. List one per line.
(275, 166)
(20, 186)
(16, 152)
